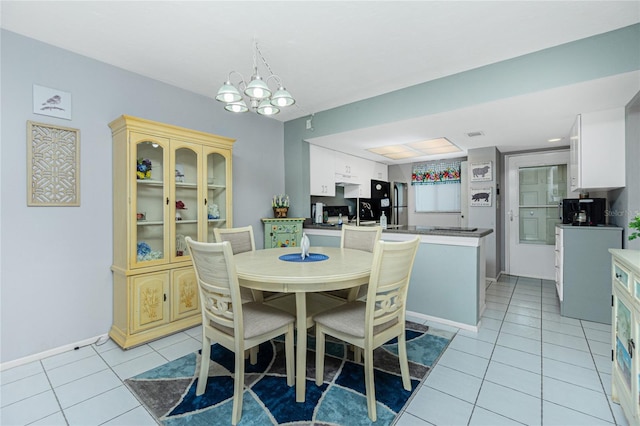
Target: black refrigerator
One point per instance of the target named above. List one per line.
(381, 199)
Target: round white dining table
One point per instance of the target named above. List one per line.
(264, 270)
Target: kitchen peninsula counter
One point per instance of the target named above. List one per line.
(448, 281)
(451, 231)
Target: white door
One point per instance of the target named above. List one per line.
(536, 184)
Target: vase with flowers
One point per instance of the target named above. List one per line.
(143, 170)
(280, 204)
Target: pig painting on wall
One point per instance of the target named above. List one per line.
(481, 171)
(480, 197)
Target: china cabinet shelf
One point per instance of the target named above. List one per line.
(155, 292)
(149, 182)
(149, 222)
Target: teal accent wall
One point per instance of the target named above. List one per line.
(591, 58)
(444, 283)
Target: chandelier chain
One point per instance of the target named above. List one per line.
(264, 61)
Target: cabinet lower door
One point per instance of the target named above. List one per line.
(283, 239)
(625, 379)
(185, 298)
(149, 300)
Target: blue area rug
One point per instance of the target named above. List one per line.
(168, 391)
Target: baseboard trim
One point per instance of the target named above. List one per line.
(51, 352)
(443, 321)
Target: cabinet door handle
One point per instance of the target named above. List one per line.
(165, 297)
(631, 346)
(618, 275)
(167, 200)
(205, 201)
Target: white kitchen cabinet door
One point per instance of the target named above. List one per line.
(363, 170)
(321, 172)
(598, 150)
(347, 168)
(380, 171)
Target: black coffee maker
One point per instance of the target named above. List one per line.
(584, 211)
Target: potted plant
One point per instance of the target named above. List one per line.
(634, 224)
(280, 204)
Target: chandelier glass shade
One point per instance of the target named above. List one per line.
(260, 97)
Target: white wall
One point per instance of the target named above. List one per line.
(625, 202)
(54, 271)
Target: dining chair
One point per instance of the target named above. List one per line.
(228, 321)
(360, 238)
(371, 323)
(241, 240)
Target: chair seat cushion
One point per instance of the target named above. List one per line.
(349, 318)
(259, 319)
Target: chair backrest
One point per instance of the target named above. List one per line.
(389, 282)
(241, 239)
(218, 283)
(360, 237)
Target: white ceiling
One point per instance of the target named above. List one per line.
(332, 53)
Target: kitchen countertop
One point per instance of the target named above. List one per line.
(592, 228)
(452, 231)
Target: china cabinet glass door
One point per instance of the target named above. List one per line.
(216, 193)
(623, 354)
(186, 197)
(149, 201)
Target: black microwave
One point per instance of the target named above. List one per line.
(593, 211)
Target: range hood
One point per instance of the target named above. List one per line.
(343, 180)
(347, 184)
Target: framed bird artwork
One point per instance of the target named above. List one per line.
(51, 102)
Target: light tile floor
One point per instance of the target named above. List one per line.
(526, 365)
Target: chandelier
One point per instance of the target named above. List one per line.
(260, 97)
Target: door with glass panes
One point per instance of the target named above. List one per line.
(536, 184)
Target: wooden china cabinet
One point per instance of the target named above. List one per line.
(168, 183)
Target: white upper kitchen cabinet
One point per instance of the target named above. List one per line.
(380, 171)
(321, 172)
(347, 168)
(367, 170)
(597, 151)
(328, 168)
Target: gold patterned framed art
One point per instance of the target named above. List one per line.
(53, 165)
